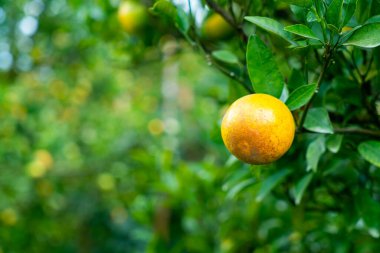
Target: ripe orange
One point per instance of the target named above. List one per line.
(132, 16)
(215, 27)
(258, 128)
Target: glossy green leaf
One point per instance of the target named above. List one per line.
(271, 25)
(296, 79)
(225, 56)
(320, 10)
(240, 173)
(367, 36)
(262, 68)
(317, 120)
(232, 160)
(169, 10)
(374, 19)
(349, 8)
(334, 142)
(334, 13)
(315, 44)
(363, 10)
(301, 186)
(314, 153)
(333, 28)
(272, 181)
(300, 96)
(370, 151)
(301, 30)
(302, 3)
(369, 209)
(240, 187)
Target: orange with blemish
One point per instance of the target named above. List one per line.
(258, 129)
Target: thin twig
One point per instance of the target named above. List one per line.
(207, 53)
(327, 57)
(353, 131)
(357, 131)
(203, 48)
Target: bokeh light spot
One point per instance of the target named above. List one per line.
(156, 127)
(28, 25)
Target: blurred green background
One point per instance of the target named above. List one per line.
(99, 153)
(110, 142)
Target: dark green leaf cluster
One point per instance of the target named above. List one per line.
(322, 58)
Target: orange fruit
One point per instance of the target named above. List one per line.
(216, 27)
(258, 129)
(132, 16)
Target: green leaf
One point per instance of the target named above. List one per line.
(349, 8)
(363, 10)
(369, 209)
(225, 56)
(374, 19)
(182, 21)
(272, 26)
(262, 68)
(370, 151)
(239, 174)
(333, 28)
(240, 187)
(301, 186)
(296, 79)
(317, 120)
(231, 160)
(320, 10)
(268, 184)
(334, 142)
(314, 153)
(300, 96)
(302, 3)
(367, 36)
(301, 30)
(315, 44)
(334, 13)
(178, 16)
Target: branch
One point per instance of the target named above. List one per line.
(357, 131)
(229, 18)
(246, 85)
(360, 131)
(327, 57)
(197, 42)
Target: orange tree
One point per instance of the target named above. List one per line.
(100, 151)
(322, 59)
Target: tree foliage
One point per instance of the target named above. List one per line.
(110, 142)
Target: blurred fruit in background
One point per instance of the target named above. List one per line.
(132, 16)
(215, 27)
